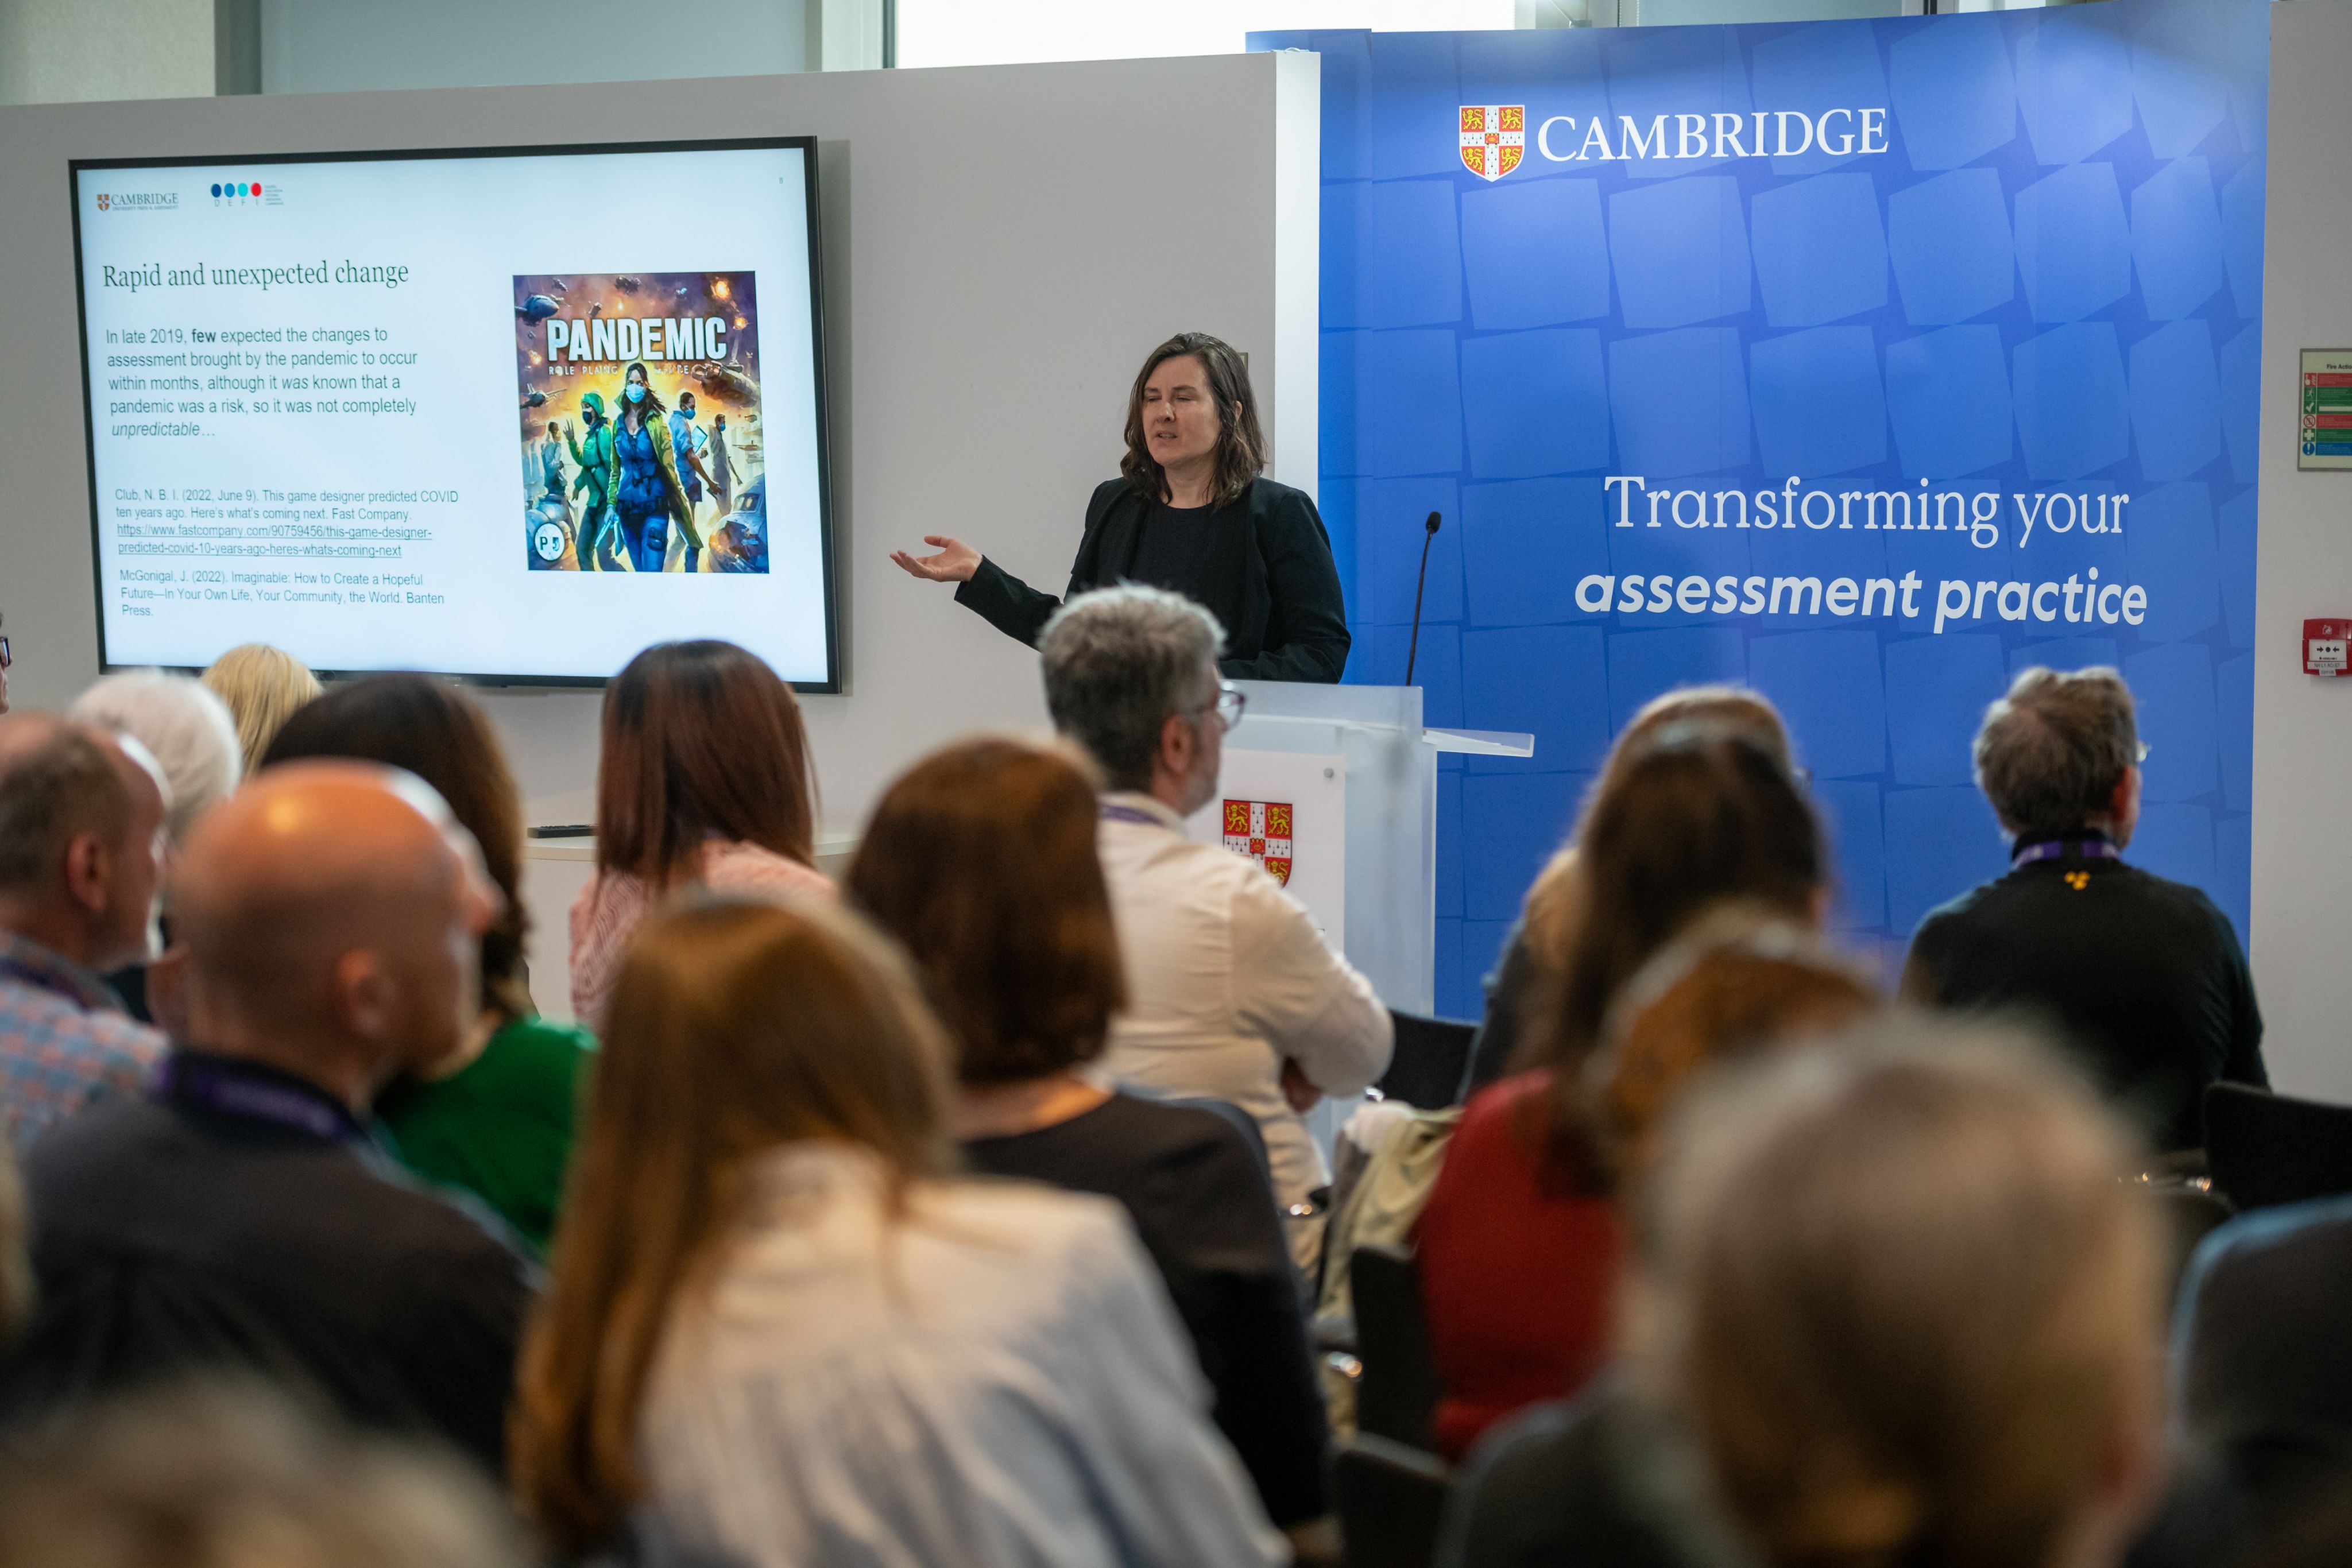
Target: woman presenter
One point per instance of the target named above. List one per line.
(1190, 513)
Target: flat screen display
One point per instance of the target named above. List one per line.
(507, 413)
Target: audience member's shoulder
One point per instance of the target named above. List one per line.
(1962, 908)
(1053, 1237)
(2192, 903)
(1504, 1102)
(430, 1238)
(750, 870)
(98, 1134)
(1052, 1216)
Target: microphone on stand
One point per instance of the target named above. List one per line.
(1413, 650)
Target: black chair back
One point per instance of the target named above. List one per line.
(1390, 1498)
(1397, 1396)
(2268, 1149)
(1242, 1122)
(1431, 1058)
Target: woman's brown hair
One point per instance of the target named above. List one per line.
(1698, 814)
(1555, 902)
(442, 735)
(1907, 1303)
(981, 860)
(1740, 981)
(701, 741)
(1241, 445)
(735, 1030)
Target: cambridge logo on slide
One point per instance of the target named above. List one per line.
(1494, 138)
(1261, 829)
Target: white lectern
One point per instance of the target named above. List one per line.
(1364, 755)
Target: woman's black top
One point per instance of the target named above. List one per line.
(1204, 1211)
(1262, 566)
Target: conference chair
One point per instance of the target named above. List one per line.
(2188, 1210)
(2267, 1149)
(1391, 1500)
(1430, 1058)
(1241, 1121)
(1396, 1395)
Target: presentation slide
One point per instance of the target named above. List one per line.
(513, 415)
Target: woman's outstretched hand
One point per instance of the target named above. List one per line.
(955, 562)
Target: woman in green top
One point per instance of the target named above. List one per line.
(497, 1121)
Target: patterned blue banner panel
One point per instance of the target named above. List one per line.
(1866, 362)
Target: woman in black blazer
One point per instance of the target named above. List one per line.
(1190, 513)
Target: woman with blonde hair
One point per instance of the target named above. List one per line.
(1909, 1306)
(703, 781)
(779, 1333)
(263, 687)
(1535, 953)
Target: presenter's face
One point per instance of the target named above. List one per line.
(1179, 416)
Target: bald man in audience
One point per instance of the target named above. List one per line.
(81, 820)
(237, 1218)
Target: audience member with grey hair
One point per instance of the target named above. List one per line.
(2145, 976)
(81, 818)
(182, 724)
(188, 730)
(1232, 993)
(1119, 669)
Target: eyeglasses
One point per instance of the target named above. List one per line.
(2143, 751)
(1227, 705)
(5, 659)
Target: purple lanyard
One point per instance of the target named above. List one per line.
(1129, 814)
(55, 985)
(2058, 849)
(232, 1092)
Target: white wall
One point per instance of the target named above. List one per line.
(340, 46)
(2302, 725)
(79, 51)
(1002, 245)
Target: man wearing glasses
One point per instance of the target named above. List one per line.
(1231, 993)
(2145, 976)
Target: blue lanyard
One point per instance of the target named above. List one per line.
(2058, 849)
(1129, 814)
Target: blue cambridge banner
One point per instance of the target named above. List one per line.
(1866, 362)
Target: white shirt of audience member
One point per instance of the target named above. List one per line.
(1227, 977)
(992, 1377)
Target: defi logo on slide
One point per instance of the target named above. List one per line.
(240, 192)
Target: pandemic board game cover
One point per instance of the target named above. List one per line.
(641, 422)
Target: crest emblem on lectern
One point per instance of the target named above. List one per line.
(1261, 830)
(1494, 138)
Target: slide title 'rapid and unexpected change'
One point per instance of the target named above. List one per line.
(154, 275)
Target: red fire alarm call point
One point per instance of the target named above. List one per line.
(2323, 644)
